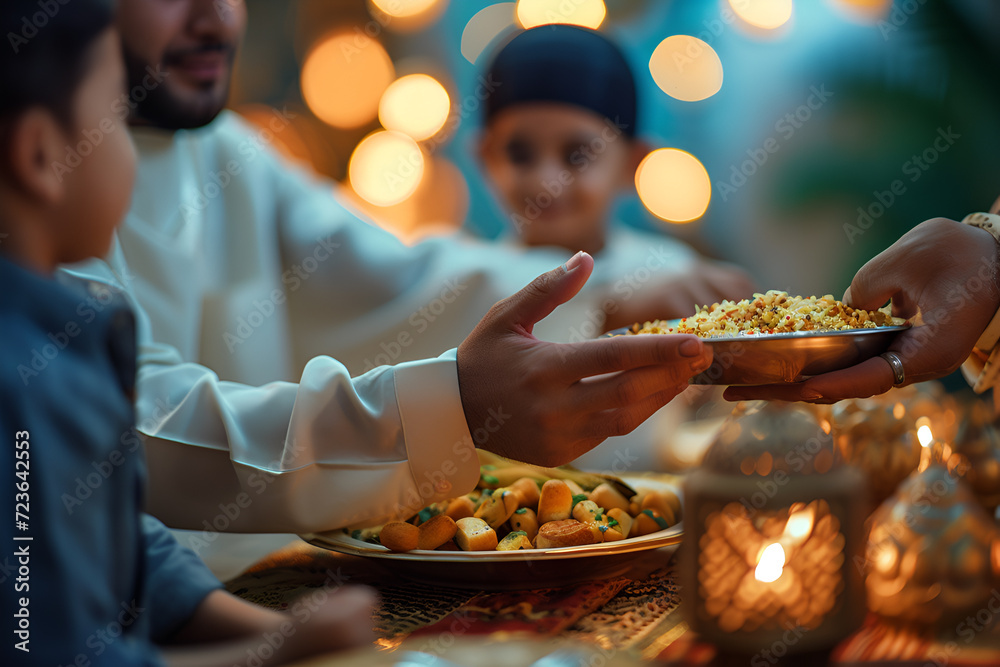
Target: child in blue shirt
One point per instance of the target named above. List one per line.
(85, 578)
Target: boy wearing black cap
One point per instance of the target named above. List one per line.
(559, 146)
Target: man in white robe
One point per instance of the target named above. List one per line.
(243, 268)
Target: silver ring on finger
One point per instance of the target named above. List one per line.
(898, 376)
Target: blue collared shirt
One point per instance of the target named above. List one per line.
(93, 581)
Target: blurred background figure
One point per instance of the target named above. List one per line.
(797, 139)
(559, 147)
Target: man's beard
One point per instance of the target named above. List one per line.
(159, 107)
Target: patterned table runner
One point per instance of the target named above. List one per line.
(635, 614)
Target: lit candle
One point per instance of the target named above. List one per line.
(931, 450)
(758, 563)
(770, 564)
(800, 524)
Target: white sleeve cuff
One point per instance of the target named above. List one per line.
(439, 447)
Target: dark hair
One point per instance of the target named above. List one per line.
(566, 64)
(46, 52)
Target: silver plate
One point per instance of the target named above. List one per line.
(787, 357)
(503, 570)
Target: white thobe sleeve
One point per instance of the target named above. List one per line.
(328, 451)
(375, 430)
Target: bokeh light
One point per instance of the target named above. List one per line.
(764, 14)
(686, 68)
(484, 27)
(342, 82)
(865, 11)
(416, 104)
(386, 167)
(406, 9)
(673, 185)
(408, 15)
(587, 13)
(437, 207)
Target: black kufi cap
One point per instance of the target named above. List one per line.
(566, 64)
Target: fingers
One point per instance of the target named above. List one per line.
(546, 292)
(624, 389)
(872, 286)
(610, 423)
(868, 378)
(345, 619)
(622, 353)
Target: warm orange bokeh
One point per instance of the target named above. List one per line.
(344, 77)
(588, 13)
(673, 185)
(764, 14)
(686, 68)
(416, 104)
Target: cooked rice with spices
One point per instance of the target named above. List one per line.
(770, 313)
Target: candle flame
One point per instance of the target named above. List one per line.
(925, 436)
(770, 564)
(800, 524)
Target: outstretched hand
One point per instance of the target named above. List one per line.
(946, 271)
(548, 403)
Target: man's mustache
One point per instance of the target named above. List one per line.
(173, 57)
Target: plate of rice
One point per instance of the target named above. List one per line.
(775, 337)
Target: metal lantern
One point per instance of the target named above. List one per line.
(933, 553)
(879, 437)
(879, 434)
(976, 456)
(773, 526)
